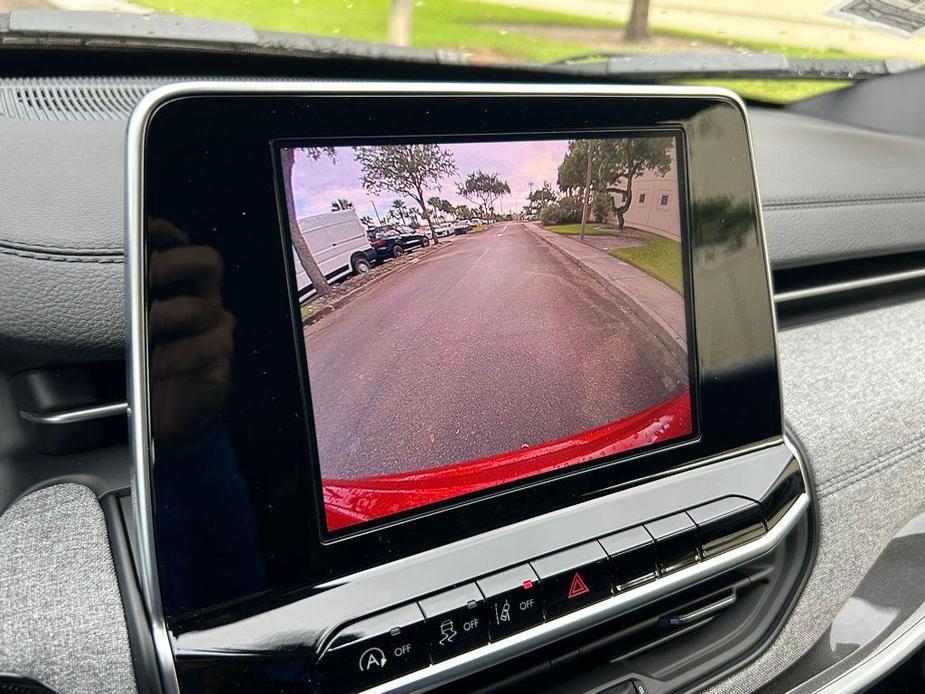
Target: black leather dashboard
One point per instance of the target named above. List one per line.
(830, 193)
(61, 217)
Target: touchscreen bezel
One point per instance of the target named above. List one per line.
(677, 135)
(199, 128)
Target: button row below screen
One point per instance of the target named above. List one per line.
(411, 637)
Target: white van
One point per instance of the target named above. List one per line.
(339, 244)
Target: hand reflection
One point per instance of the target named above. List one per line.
(191, 333)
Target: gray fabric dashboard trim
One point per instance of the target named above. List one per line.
(61, 619)
(853, 392)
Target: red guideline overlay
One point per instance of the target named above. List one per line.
(348, 502)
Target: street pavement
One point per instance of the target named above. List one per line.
(659, 304)
(495, 343)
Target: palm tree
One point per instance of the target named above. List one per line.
(434, 203)
(399, 209)
(341, 204)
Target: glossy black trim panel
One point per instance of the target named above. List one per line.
(310, 621)
(212, 149)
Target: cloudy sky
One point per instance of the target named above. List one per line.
(317, 183)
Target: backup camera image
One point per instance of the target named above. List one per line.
(480, 313)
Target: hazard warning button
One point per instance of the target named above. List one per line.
(573, 578)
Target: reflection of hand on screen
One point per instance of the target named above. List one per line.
(192, 335)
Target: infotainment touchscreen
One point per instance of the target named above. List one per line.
(479, 313)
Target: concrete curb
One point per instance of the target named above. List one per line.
(659, 328)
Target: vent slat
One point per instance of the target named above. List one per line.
(80, 100)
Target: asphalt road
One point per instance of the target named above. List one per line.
(493, 344)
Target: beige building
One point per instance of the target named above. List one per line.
(655, 207)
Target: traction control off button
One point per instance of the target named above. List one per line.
(456, 621)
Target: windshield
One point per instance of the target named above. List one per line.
(550, 31)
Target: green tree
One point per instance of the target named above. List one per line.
(408, 170)
(400, 12)
(287, 162)
(440, 206)
(463, 212)
(484, 189)
(341, 204)
(540, 198)
(601, 204)
(637, 28)
(615, 163)
(399, 211)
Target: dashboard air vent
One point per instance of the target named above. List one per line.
(72, 408)
(74, 100)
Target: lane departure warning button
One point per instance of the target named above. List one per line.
(573, 578)
(513, 598)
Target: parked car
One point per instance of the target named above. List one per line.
(444, 230)
(414, 237)
(390, 241)
(461, 226)
(338, 243)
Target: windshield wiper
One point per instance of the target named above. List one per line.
(670, 66)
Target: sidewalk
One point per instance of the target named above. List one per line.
(658, 305)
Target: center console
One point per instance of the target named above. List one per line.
(466, 387)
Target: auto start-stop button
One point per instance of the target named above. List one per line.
(374, 650)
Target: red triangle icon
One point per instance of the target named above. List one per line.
(578, 587)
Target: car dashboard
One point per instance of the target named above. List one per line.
(813, 586)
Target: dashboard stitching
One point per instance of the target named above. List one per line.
(876, 470)
(102, 260)
(848, 472)
(41, 247)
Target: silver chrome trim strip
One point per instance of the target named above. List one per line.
(898, 647)
(848, 285)
(82, 414)
(135, 317)
(705, 611)
(518, 644)
(137, 376)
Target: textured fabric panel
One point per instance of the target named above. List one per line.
(854, 390)
(61, 619)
